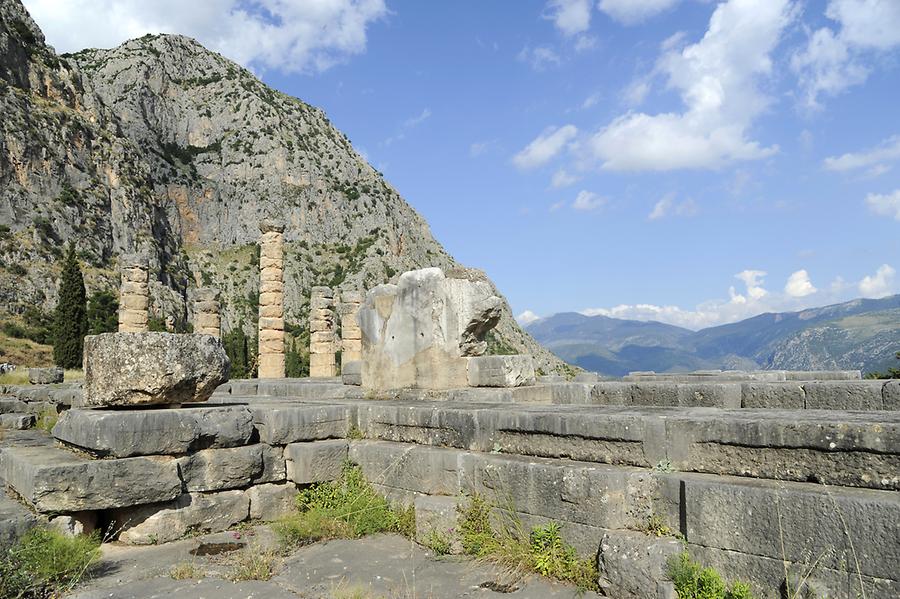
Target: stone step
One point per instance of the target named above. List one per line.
(9, 405)
(834, 447)
(15, 519)
(16, 421)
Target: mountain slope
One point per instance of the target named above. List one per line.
(163, 146)
(861, 334)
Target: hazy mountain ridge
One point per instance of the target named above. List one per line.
(860, 334)
(162, 146)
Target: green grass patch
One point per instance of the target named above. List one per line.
(693, 581)
(45, 563)
(343, 509)
(502, 539)
(47, 419)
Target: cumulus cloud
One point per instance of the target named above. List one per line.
(630, 12)
(799, 285)
(562, 178)
(545, 147)
(832, 60)
(880, 284)
(753, 279)
(718, 81)
(588, 201)
(876, 159)
(571, 17)
(540, 58)
(885, 204)
(669, 206)
(268, 34)
(527, 317)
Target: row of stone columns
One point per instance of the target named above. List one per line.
(134, 302)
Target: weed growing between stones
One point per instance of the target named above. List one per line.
(46, 420)
(542, 550)
(46, 563)
(693, 581)
(253, 563)
(186, 570)
(346, 508)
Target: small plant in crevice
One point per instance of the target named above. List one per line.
(253, 563)
(439, 542)
(693, 581)
(47, 419)
(186, 570)
(502, 539)
(46, 563)
(346, 508)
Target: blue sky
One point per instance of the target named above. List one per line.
(689, 161)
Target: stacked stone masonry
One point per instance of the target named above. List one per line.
(134, 294)
(322, 363)
(351, 334)
(207, 319)
(753, 492)
(271, 300)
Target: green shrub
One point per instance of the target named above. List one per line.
(693, 581)
(45, 563)
(47, 419)
(345, 508)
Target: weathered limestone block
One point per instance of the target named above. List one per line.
(273, 465)
(501, 371)
(783, 395)
(207, 320)
(191, 512)
(15, 520)
(418, 333)
(283, 424)
(891, 395)
(413, 468)
(587, 377)
(18, 422)
(56, 480)
(653, 394)
(45, 376)
(351, 335)
(315, 462)
(220, 469)
(717, 395)
(570, 393)
(351, 372)
(271, 501)
(438, 516)
(72, 525)
(632, 565)
(611, 394)
(271, 300)
(141, 369)
(126, 433)
(844, 395)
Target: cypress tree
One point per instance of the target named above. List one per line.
(70, 317)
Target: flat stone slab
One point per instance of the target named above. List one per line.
(168, 431)
(15, 520)
(56, 480)
(280, 424)
(372, 567)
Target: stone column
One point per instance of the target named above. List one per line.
(271, 300)
(351, 335)
(134, 294)
(321, 333)
(206, 312)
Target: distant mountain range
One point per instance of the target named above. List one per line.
(860, 334)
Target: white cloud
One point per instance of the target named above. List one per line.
(753, 279)
(887, 204)
(540, 58)
(832, 61)
(717, 79)
(875, 159)
(588, 201)
(527, 317)
(591, 100)
(571, 17)
(636, 92)
(563, 178)
(799, 285)
(586, 42)
(410, 123)
(545, 146)
(668, 206)
(880, 284)
(630, 12)
(267, 34)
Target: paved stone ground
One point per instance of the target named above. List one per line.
(382, 566)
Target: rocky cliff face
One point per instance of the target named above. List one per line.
(162, 146)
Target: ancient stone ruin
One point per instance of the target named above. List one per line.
(782, 479)
(134, 294)
(271, 300)
(322, 363)
(207, 320)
